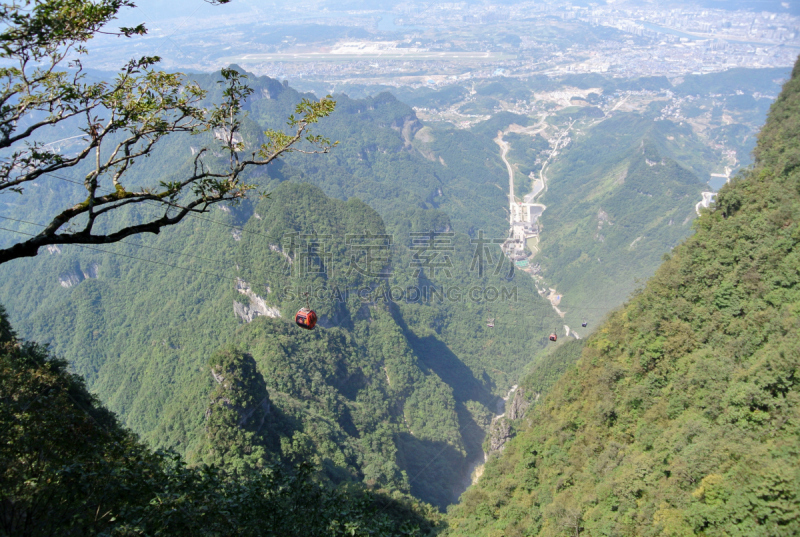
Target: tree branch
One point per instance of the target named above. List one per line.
(143, 106)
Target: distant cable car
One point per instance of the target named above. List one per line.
(553, 337)
(306, 317)
(490, 320)
(584, 324)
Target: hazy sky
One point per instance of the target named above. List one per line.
(264, 10)
(155, 10)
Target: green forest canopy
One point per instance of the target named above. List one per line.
(681, 416)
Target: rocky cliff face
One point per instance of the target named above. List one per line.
(519, 405)
(75, 276)
(256, 307)
(408, 128)
(501, 430)
(499, 433)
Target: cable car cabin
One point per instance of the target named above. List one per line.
(553, 336)
(490, 324)
(306, 318)
(584, 324)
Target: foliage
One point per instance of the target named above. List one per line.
(119, 123)
(527, 153)
(616, 201)
(346, 397)
(63, 458)
(499, 122)
(680, 417)
(543, 374)
(70, 469)
(239, 409)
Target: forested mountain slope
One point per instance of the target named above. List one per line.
(395, 387)
(396, 392)
(618, 198)
(625, 161)
(69, 468)
(393, 392)
(376, 159)
(682, 415)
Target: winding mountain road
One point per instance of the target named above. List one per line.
(516, 215)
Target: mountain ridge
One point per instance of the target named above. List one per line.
(681, 415)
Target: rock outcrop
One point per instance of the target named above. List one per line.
(242, 389)
(75, 276)
(256, 307)
(499, 433)
(519, 405)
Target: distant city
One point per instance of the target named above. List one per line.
(437, 44)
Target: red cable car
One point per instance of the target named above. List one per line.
(553, 336)
(306, 318)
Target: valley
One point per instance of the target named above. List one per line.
(431, 163)
(616, 444)
(550, 249)
(525, 211)
(476, 467)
